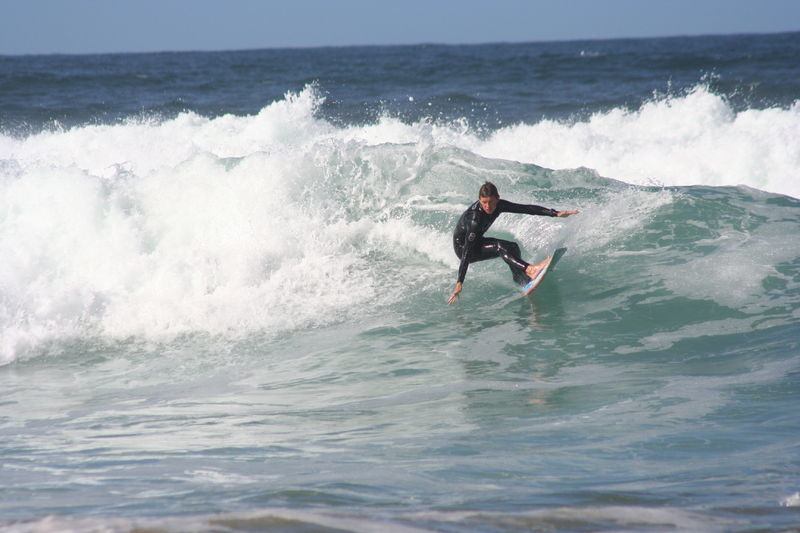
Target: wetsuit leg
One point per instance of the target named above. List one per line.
(511, 254)
(489, 248)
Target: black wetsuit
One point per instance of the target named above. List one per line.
(471, 246)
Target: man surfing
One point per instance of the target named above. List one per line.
(471, 246)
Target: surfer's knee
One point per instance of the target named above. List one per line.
(508, 248)
(511, 254)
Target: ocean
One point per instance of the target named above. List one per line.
(224, 281)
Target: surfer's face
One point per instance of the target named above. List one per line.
(489, 203)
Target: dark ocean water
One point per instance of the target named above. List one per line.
(224, 278)
(491, 85)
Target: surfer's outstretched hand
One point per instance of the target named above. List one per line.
(456, 292)
(565, 214)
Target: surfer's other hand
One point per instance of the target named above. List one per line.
(456, 292)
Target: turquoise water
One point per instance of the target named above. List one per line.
(238, 322)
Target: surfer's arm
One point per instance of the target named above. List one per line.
(462, 273)
(470, 237)
(464, 265)
(530, 209)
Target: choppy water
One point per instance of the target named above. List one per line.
(224, 278)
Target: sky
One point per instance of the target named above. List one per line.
(107, 26)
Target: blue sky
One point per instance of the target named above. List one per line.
(100, 26)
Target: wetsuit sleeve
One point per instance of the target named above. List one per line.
(462, 268)
(527, 209)
(470, 239)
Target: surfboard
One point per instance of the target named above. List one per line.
(550, 262)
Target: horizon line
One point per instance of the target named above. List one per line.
(398, 45)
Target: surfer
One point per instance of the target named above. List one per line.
(471, 246)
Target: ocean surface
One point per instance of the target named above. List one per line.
(224, 281)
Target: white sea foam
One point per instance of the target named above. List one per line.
(234, 224)
(791, 501)
(146, 228)
(273, 221)
(689, 140)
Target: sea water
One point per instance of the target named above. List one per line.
(224, 281)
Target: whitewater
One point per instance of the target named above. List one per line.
(194, 224)
(225, 319)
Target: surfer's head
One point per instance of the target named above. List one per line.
(488, 197)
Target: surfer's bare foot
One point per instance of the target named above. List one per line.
(533, 270)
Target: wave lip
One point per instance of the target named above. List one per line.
(695, 139)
